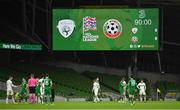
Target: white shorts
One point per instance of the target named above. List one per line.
(95, 92)
(10, 92)
(42, 91)
(142, 92)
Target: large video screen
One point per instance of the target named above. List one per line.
(105, 29)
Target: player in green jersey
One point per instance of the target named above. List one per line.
(40, 90)
(132, 86)
(23, 91)
(122, 89)
(47, 88)
(38, 85)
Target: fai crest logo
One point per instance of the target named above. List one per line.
(112, 28)
(66, 27)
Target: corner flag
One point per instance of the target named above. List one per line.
(158, 91)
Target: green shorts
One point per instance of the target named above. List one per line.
(47, 91)
(23, 92)
(38, 91)
(132, 91)
(122, 91)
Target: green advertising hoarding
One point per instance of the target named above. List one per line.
(105, 29)
(14, 46)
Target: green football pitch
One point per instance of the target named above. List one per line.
(158, 105)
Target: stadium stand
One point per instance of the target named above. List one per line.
(2, 94)
(63, 78)
(67, 82)
(167, 87)
(107, 81)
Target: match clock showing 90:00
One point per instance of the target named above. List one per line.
(142, 20)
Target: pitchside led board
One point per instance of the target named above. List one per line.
(105, 29)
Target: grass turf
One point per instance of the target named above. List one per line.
(91, 105)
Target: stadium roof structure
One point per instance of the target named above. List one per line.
(30, 21)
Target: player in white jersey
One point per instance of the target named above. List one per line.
(41, 89)
(9, 85)
(96, 89)
(142, 90)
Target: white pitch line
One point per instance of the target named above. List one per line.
(89, 109)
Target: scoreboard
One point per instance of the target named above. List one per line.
(105, 29)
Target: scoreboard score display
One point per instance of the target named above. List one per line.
(105, 29)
